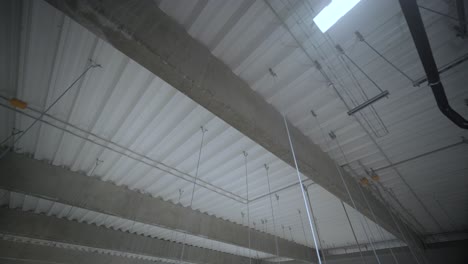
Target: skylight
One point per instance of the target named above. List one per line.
(333, 12)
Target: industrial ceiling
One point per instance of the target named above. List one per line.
(123, 124)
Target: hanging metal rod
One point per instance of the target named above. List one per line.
(389, 208)
(272, 212)
(438, 12)
(341, 50)
(203, 130)
(368, 102)
(362, 39)
(91, 66)
(463, 141)
(247, 205)
(125, 152)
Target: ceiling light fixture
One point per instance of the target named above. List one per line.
(333, 12)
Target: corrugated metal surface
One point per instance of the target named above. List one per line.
(123, 107)
(29, 203)
(248, 37)
(20, 239)
(125, 104)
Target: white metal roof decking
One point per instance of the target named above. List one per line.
(248, 37)
(123, 103)
(39, 205)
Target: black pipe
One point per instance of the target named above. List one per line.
(443, 69)
(418, 32)
(461, 18)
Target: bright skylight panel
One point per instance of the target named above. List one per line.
(333, 12)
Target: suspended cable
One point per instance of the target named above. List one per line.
(302, 224)
(340, 50)
(391, 195)
(291, 234)
(379, 229)
(174, 233)
(442, 208)
(12, 134)
(272, 212)
(91, 66)
(96, 164)
(203, 130)
(302, 190)
(414, 241)
(140, 158)
(354, 233)
(324, 74)
(463, 141)
(362, 39)
(350, 197)
(378, 147)
(387, 207)
(248, 206)
(438, 13)
(242, 223)
(355, 207)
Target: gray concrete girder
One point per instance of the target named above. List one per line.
(37, 178)
(42, 227)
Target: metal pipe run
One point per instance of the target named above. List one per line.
(443, 69)
(315, 221)
(130, 154)
(463, 141)
(303, 192)
(418, 32)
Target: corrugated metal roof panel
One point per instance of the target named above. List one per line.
(410, 115)
(51, 208)
(125, 104)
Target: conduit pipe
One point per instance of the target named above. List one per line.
(413, 19)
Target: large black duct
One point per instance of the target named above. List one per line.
(413, 19)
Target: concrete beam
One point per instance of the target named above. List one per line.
(16, 252)
(139, 29)
(33, 177)
(41, 227)
(435, 253)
